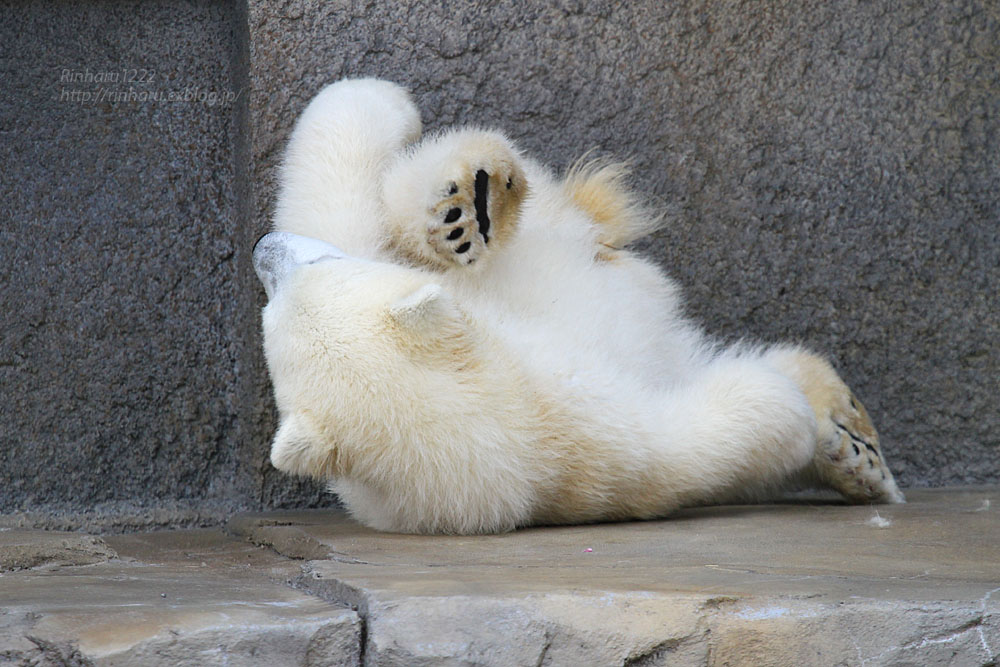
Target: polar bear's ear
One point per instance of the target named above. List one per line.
(426, 308)
(294, 447)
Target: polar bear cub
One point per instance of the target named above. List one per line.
(459, 342)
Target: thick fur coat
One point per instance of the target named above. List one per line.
(459, 342)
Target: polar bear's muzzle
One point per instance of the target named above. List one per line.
(277, 254)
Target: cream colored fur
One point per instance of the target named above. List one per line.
(528, 371)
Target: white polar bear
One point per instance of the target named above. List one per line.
(460, 343)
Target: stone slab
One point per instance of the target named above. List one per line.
(25, 549)
(171, 598)
(799, 583)
(803, 582)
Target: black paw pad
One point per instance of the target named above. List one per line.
(463, 248)
(452, 215)
(482, 192)
(456, 234)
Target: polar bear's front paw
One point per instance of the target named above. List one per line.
(460, 232)
(454, 198)
(847, 456)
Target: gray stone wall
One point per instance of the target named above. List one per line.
(829, 171)
(122, 350)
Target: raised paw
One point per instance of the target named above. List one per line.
(460, 230)
(454, 198)
(847, 456)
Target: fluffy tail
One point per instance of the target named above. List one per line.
(599, 187)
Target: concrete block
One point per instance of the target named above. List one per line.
(119, 370)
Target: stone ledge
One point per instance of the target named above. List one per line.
(171, 598)
(25, 549)
(796, 583)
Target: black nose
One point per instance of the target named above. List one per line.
(270, 261)
(257, 243)
(278, 254)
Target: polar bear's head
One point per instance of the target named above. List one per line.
(352, 347)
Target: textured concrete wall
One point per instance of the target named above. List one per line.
(830, 171)
(121, 355)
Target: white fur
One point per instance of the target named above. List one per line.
(538, 385)
(334, 162)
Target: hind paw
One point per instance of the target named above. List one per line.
(455, 198)
(847, 456)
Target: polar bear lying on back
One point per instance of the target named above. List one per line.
(460, 343)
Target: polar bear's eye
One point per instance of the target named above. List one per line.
(510, 183)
